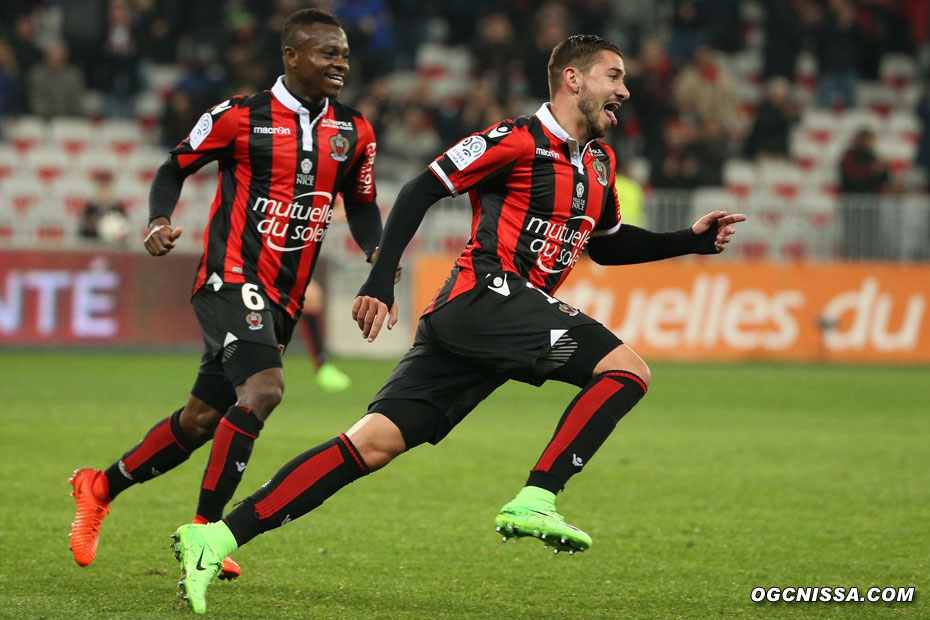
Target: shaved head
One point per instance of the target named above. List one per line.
(293, 33)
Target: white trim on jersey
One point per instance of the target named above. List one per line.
(544, 114)
(289, 101)
(443, 177)
(607, 233)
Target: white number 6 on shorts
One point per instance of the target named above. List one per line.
(251, 298)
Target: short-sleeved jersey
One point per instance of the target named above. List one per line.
(537, 198)
(280, 168)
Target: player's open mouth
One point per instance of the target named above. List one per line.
(337, 79)
(609, 111)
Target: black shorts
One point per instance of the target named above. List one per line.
(471, 345)
(243, 334)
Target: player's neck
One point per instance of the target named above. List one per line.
(568, 117)
(304, 98)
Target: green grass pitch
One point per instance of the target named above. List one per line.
(724, 478)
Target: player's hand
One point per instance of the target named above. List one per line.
(161, 238)
(725, 226)
(370, 312)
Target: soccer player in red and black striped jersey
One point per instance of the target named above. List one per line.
(542, 190)
(284, 154)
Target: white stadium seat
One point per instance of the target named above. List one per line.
(48, 162)
(71, 133)
(740, 176)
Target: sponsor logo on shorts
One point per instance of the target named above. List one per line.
(467, 151)
(254, 320)
(499, 285)
(339, 147)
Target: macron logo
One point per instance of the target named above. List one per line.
(281, 131)
(548, 153)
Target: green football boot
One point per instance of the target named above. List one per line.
(331, 379)
(200, 549)
(532, 513)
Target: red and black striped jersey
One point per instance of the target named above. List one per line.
(537, 198)
(280, 168)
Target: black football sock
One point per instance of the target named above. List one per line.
(164, 447)
(229, 455)
(298, 487)
(585, 425)
(313, 337)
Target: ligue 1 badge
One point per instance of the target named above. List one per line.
(339, 147)
(254, 319)
(568, 309)
(601, 171)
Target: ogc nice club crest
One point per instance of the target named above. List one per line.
(339, 147)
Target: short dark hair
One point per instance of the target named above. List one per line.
(580, 50)
(301, 18)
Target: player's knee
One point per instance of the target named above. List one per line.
(625, 359)
(378, 449)
(377, 439)
(376, 457)
(645, 374)
(265, 398)
(262, 392)
(200, 424)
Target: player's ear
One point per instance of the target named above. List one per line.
(290, 57)
(571, 77)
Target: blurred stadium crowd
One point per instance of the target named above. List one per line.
(811, 115)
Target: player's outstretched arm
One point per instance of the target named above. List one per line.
(376, 296)
(631, 244)
(725, 224)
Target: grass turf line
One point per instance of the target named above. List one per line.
(724, 478)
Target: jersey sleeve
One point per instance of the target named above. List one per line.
(479, 156)
(359, 183)
(211, 139)
(609, 222)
